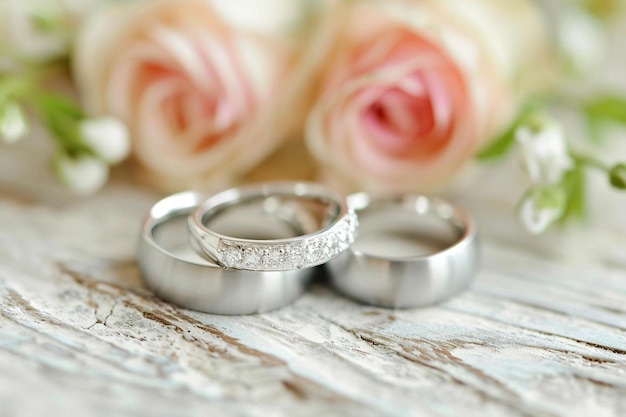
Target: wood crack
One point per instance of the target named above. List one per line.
(538, 331)
(505, 397)
(443, 352)
(540, 306)
(106, 317)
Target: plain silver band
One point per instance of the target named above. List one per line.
(303, 251)
(414, 281)
(205, 286)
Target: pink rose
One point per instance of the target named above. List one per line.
(416, 87)
(203, 85)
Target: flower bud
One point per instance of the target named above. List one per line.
(107, 137)
(617, 176)
(83, 174)
(13, 123)
(541, 207)
(544, 150)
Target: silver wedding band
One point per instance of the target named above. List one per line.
(174, 272)
(330, 234)
(251, 249)
(373, 275)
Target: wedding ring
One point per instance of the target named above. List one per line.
(411, 251)
(330, 228)
(174, 272)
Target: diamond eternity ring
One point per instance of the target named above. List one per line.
(328, 227)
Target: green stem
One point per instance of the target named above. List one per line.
(61, 115)
(60, 121)
(19, 86)
(589, 161)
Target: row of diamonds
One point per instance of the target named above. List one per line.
(289, 256)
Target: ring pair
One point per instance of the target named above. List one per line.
(253, 249)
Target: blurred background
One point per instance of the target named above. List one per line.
(516, 110)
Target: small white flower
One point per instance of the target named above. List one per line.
(582, 40)
(35, 29)
(13, 123)
(83, 174)
(41, 30)
(107, 137)
(541, 207)
(544, 151)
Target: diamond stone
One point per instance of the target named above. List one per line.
(327, 245)
(342, 232)
(312, 252)
(252, 258)
(294, 256)
(231, 256)
(353, 222)
(274, 256)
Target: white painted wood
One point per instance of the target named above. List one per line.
(541, 332)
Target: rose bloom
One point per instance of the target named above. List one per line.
(207, 88)
(415, 88)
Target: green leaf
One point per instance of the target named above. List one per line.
(617, 176)
(595, 130)
(607, 108)
(574, 186)
(62, 117)
(500, 146)
(55, 103)
(503, 144)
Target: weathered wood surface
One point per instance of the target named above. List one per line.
(541, 332)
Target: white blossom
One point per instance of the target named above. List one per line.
(541, 207)
(83, 174)
(34, 29)
(13, 123)
(40, 30)
(544, 151)
(108, 137)
(582, 40)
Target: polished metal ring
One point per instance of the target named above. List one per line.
(411, 251)
(329, 233)
(174, 272)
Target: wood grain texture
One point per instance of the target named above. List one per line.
(539, 333)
